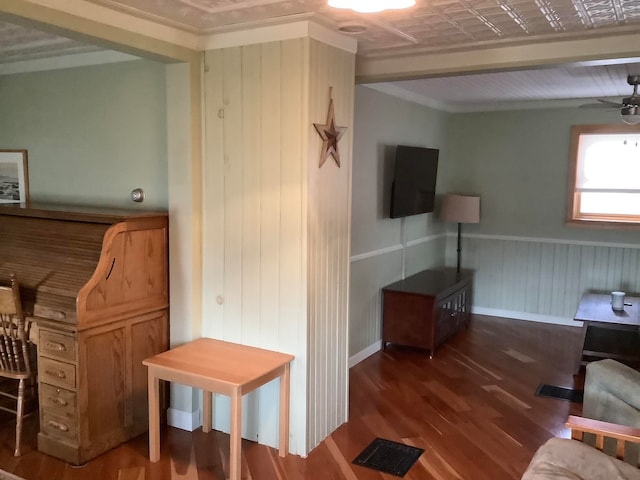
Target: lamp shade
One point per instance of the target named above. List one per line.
(460, 209)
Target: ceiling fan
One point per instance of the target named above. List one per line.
(629, 107)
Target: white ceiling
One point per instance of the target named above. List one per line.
(431, 26)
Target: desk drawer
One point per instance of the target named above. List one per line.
(57, 345)
(57, 426)
(57, 373)
(58, 400)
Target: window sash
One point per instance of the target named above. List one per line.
(607, 190)
(625, 216)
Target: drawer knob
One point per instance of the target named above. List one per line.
(58, 426)
(59, 374)
(56, 346)
(59, 401)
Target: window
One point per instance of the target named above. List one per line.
(604, 176)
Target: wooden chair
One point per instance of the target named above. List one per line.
(578, 457)
(18, 360)
(619, 435)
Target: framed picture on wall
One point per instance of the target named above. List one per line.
(14, 176)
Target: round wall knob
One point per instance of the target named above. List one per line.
(137, 195)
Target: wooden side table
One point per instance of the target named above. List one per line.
(607, 333)
(220, 367)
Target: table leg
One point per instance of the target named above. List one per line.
(154, 417)
(583, 336)
(207, 410)
(284, 411)
(235, 436)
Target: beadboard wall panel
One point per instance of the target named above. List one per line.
(544, 277)
(425, 253)
(370, 273)
(254, 276)
(277, 228)
(329, 224)
(368, 276)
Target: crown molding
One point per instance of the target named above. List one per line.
(277, 31)
(65, 61)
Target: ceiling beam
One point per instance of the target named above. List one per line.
(574, 51)
(114, 30)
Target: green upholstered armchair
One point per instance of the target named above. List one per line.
(612, 393)
(607, 433)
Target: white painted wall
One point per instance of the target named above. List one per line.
(276, 228)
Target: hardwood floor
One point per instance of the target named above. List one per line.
(472, 408)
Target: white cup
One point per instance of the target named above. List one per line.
(617, 300)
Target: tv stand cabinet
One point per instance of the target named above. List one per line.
(426, 309)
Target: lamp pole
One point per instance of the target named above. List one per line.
(459, 246)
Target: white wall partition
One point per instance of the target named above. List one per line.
(276, 226)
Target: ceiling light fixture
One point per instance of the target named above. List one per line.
(372, 6)
(630, 114)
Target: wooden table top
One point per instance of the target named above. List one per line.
(596, 307)
(431, 282)
(227, 362)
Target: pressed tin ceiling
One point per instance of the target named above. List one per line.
(431, 26)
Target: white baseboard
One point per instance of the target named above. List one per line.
(531, 317)
(188, 421)
(494, 312)
(366, 353)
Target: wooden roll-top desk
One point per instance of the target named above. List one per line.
(96, 285)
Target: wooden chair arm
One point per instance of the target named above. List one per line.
(621, 433)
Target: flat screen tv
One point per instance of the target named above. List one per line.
(413, 189)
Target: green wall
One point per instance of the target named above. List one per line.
(518, 162)
(380, 245)
(93, 134)
(527, 263)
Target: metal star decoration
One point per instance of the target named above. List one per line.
(330, 134)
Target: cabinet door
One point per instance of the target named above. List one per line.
(452, 315)
(148, 338)
(444, 326)
(104, 389)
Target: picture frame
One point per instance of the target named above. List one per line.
(14, 176)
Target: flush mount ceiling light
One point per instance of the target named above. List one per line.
(372, 6)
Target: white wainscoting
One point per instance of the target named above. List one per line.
(541, 277)
(524, 278)
(370, 272)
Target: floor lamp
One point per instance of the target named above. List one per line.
(460, 209)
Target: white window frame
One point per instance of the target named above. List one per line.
(574, 215)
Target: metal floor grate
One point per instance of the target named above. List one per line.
(389, 457)
(561, 393)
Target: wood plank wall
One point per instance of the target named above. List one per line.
(329, 239)
(370, 272)
(544, 277)
(276, 229)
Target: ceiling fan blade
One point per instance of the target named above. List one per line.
(609, 103)
(602, 104)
